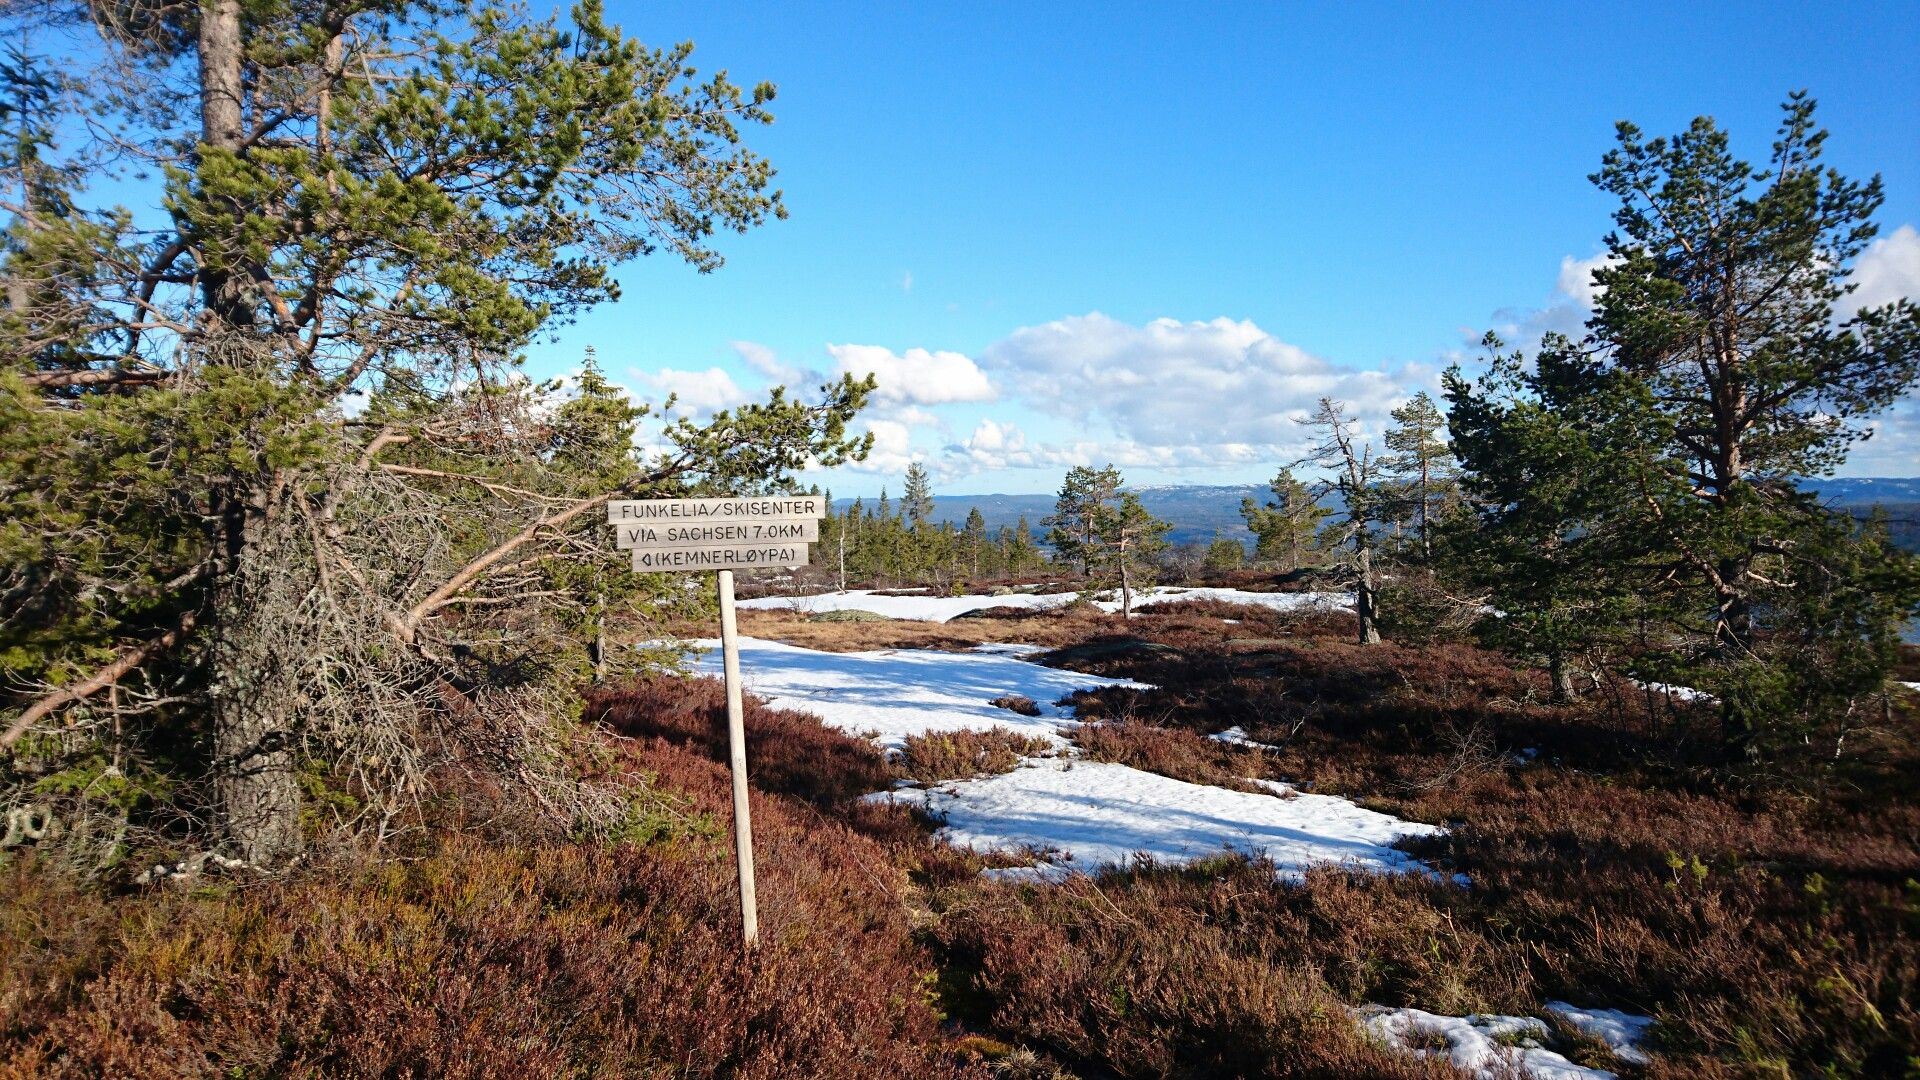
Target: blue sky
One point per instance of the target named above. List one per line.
(1148, 234)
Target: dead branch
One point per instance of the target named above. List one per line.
(105, 677)
(61, 380)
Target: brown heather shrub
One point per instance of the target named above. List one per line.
(1006, 624)
(788, 753)
(487, 957)
(1139, 974)
(1181, 754)
(1773, 929)
(949, 755)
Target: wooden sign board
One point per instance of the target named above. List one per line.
(751, 533)
(757, 531)
(684, 511)
(740, 557)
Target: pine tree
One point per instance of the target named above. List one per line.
(1422, 463)
(1125, 540)
(1720, 360)
(1071, 528)
(1356, 478)
(368, 207)
(1284, 528)
(1224, 553)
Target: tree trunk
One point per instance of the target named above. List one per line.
(257, 692)
(1426, 543)
(222, 126)
(1126, 585)
(1562, 675)
(1363, 593)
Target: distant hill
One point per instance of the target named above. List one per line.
(1898, 497)
(1198, 511)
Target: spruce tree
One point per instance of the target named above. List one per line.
(916, 504)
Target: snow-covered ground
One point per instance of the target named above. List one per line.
(1237, 736)
(943, 608)
(1621, 1031)
(1088, 814)
(1095, 813)
(891, 694)
(1497, 1047)
(1076, 815)
(1677, 693)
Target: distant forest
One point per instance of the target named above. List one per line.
(1200, 511)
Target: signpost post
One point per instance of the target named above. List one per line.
(725, 535)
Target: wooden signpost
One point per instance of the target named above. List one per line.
(724, 535)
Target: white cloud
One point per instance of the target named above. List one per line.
(700, 393)
(1576, 278)
(766, 362)
(916, 377)
(906, 282)
(1174, 389)
(892, 448)
(1887, 271)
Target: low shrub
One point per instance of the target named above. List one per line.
(486, 955)
(949, 755)
(1183, 755)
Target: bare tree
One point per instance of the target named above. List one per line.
(1354, 475)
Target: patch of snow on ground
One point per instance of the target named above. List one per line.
(1277, 601)
(1621, 1031)
(1913, 686)
(1491, 1047)
(944, 608)
(1100, 813)
(1090, 813)
(1237, 736)
(1009, 648)
(919, 608)
(1678, 693)
(898, 693)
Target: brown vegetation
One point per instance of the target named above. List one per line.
(1007, 624)
(1771, 928)
(948, 755)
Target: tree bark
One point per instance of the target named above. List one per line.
(256, 694)
(1562, 679)
(222, 127)
(1364, 589)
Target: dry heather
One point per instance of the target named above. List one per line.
(1772, 929)
(1050, 629)
(483, 956)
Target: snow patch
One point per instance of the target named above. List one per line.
(1009, 648)
(1490, 1047)
(1678, 693)
(1237, 736)
(1081, 815)
(1097, 814)
(893, 694)
(945, 608)
(1621, 1031)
